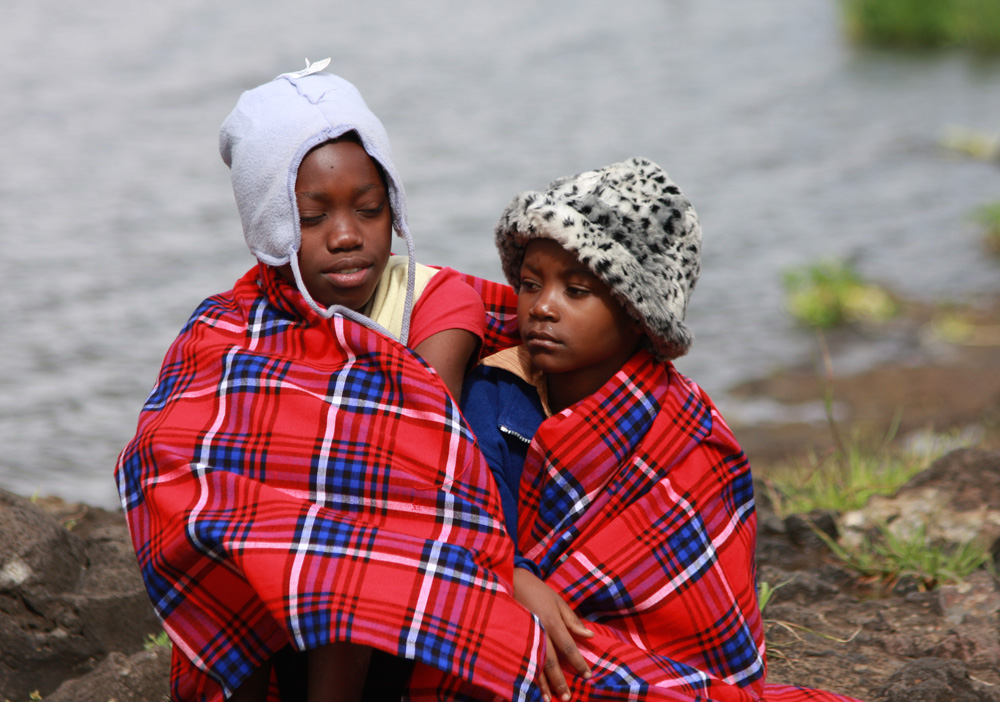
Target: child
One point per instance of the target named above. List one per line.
(629, 499)
(299, 478)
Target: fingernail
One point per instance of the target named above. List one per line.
(587, 675)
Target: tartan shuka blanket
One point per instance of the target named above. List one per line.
(302, 480)
(637, 504)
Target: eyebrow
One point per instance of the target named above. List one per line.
(579, 269)
(360, 190)
(583, 270)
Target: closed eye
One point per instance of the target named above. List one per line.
(373, 211)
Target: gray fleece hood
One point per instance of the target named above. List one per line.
(265, 138)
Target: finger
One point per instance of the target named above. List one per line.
(543, 685)
(557, 681)
(573, 622)
(565, 644)
(578, 628)
(562, 637)
(571, 654)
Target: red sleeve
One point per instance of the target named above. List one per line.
(448, 302)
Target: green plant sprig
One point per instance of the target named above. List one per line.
(160, 640)
(989, 217)
(832, 293)
(886, 556)
(923, 24)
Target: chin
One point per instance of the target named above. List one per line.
(545, 363)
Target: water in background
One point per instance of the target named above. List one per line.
(116, 214)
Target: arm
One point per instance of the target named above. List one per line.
(449, 352)
(447, 328)
(561, 626)
(487, 392)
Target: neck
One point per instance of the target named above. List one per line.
(562, 394)
(565, 389)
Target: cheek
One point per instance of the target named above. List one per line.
(608, 329)
(307, 250)
(523, 305)
(380, 236)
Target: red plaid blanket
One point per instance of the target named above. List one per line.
(300, 480)
(638, 507)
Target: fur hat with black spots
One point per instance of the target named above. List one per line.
(632, 226)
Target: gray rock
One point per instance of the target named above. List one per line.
(67, 598)
(955, 501)
(934, 680)
(141, 677)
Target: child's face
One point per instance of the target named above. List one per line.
(569, 321)
(346, 223)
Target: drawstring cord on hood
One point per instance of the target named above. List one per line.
(268, 133)
(332, 310)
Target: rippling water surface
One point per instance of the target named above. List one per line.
(116, 214)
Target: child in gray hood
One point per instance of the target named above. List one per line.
(270, 140)
(301, 479)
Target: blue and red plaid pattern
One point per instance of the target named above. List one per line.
(637, 503)
(301, 480)
(638, 506)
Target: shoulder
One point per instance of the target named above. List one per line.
(497, 381)
(232, 316)
(447, 287)
(694, 414)
(222, 310)
(447, 302)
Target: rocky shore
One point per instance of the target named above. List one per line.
(76, 625)
(920, 383)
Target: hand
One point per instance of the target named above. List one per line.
(560, 623)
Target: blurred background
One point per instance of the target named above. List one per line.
(793, 142)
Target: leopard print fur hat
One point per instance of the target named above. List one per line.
(632, 226)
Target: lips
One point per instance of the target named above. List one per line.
(348, 273)
(540, 340)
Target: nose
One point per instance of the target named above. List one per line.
(544, 305)
(343, 234)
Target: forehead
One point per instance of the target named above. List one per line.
(549, 254)
(341, 157)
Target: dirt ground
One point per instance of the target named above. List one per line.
(825, 628)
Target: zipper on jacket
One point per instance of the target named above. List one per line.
(508, 430)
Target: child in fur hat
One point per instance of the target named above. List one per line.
(628, 498)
